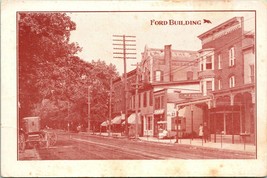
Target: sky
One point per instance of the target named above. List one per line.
(94, 31)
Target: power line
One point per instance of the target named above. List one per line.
(124, 43)
(195, 60)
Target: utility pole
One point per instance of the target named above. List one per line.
(122, 46)
(136, 99)
(89, 107)
(110, 98)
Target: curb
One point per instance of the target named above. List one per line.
(203, 147)
(171, 143)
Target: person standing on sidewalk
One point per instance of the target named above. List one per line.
(206, 132)
(200, 134)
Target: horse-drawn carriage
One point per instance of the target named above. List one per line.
(30, 134)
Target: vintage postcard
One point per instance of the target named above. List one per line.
(159, 88)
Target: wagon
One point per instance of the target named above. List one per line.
(30, 134)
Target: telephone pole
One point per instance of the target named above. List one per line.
(89, 107)
(110, 99)
(136, 99)
(123, 44)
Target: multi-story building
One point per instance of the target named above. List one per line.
(215, 85)
(119, 99)
(227, 72)
(166, 75)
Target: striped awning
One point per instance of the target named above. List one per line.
(116, 120)
(105, 123)
(131, 119)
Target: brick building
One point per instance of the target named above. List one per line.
(227, 71)
(166, 74)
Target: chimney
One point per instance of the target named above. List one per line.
(167, 61)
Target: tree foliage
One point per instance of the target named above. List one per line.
(53, 82)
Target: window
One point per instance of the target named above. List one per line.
(149, 123)
(219, 84)
(232, 81)
(189, 75)
(157, 103)
(150, 98)
(139, 101)
(133, 101)
(232, 56)
(161, 102)
(208, 62)
(219, 62)
(201, 67)
(158, 76)
(209, 86)
(144, 99)
(252, 73)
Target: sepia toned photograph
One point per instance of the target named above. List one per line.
(155, 87)
(183, 88)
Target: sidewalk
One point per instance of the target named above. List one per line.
(249, 148)
(196, 142)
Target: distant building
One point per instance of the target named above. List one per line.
(166, 74)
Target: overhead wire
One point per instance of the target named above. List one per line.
(196, 60)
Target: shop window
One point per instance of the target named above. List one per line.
(232, 56)
(149, 123)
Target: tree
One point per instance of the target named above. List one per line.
(53, 82)
(43, 49)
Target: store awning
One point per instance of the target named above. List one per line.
(105, 123)
(116, 120)
(131, 119)
(158, 111)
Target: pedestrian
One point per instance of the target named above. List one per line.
(200, 134)
(206, 132)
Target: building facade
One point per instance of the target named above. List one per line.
(227, 72)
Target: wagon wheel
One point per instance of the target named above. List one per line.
(43, 142)
(22, 143)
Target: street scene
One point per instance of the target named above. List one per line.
(162, 85)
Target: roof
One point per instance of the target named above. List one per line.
(194, 100)
(173, 98)
(130, 73)
(229, 22)
(181, 82)
(176, 54)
